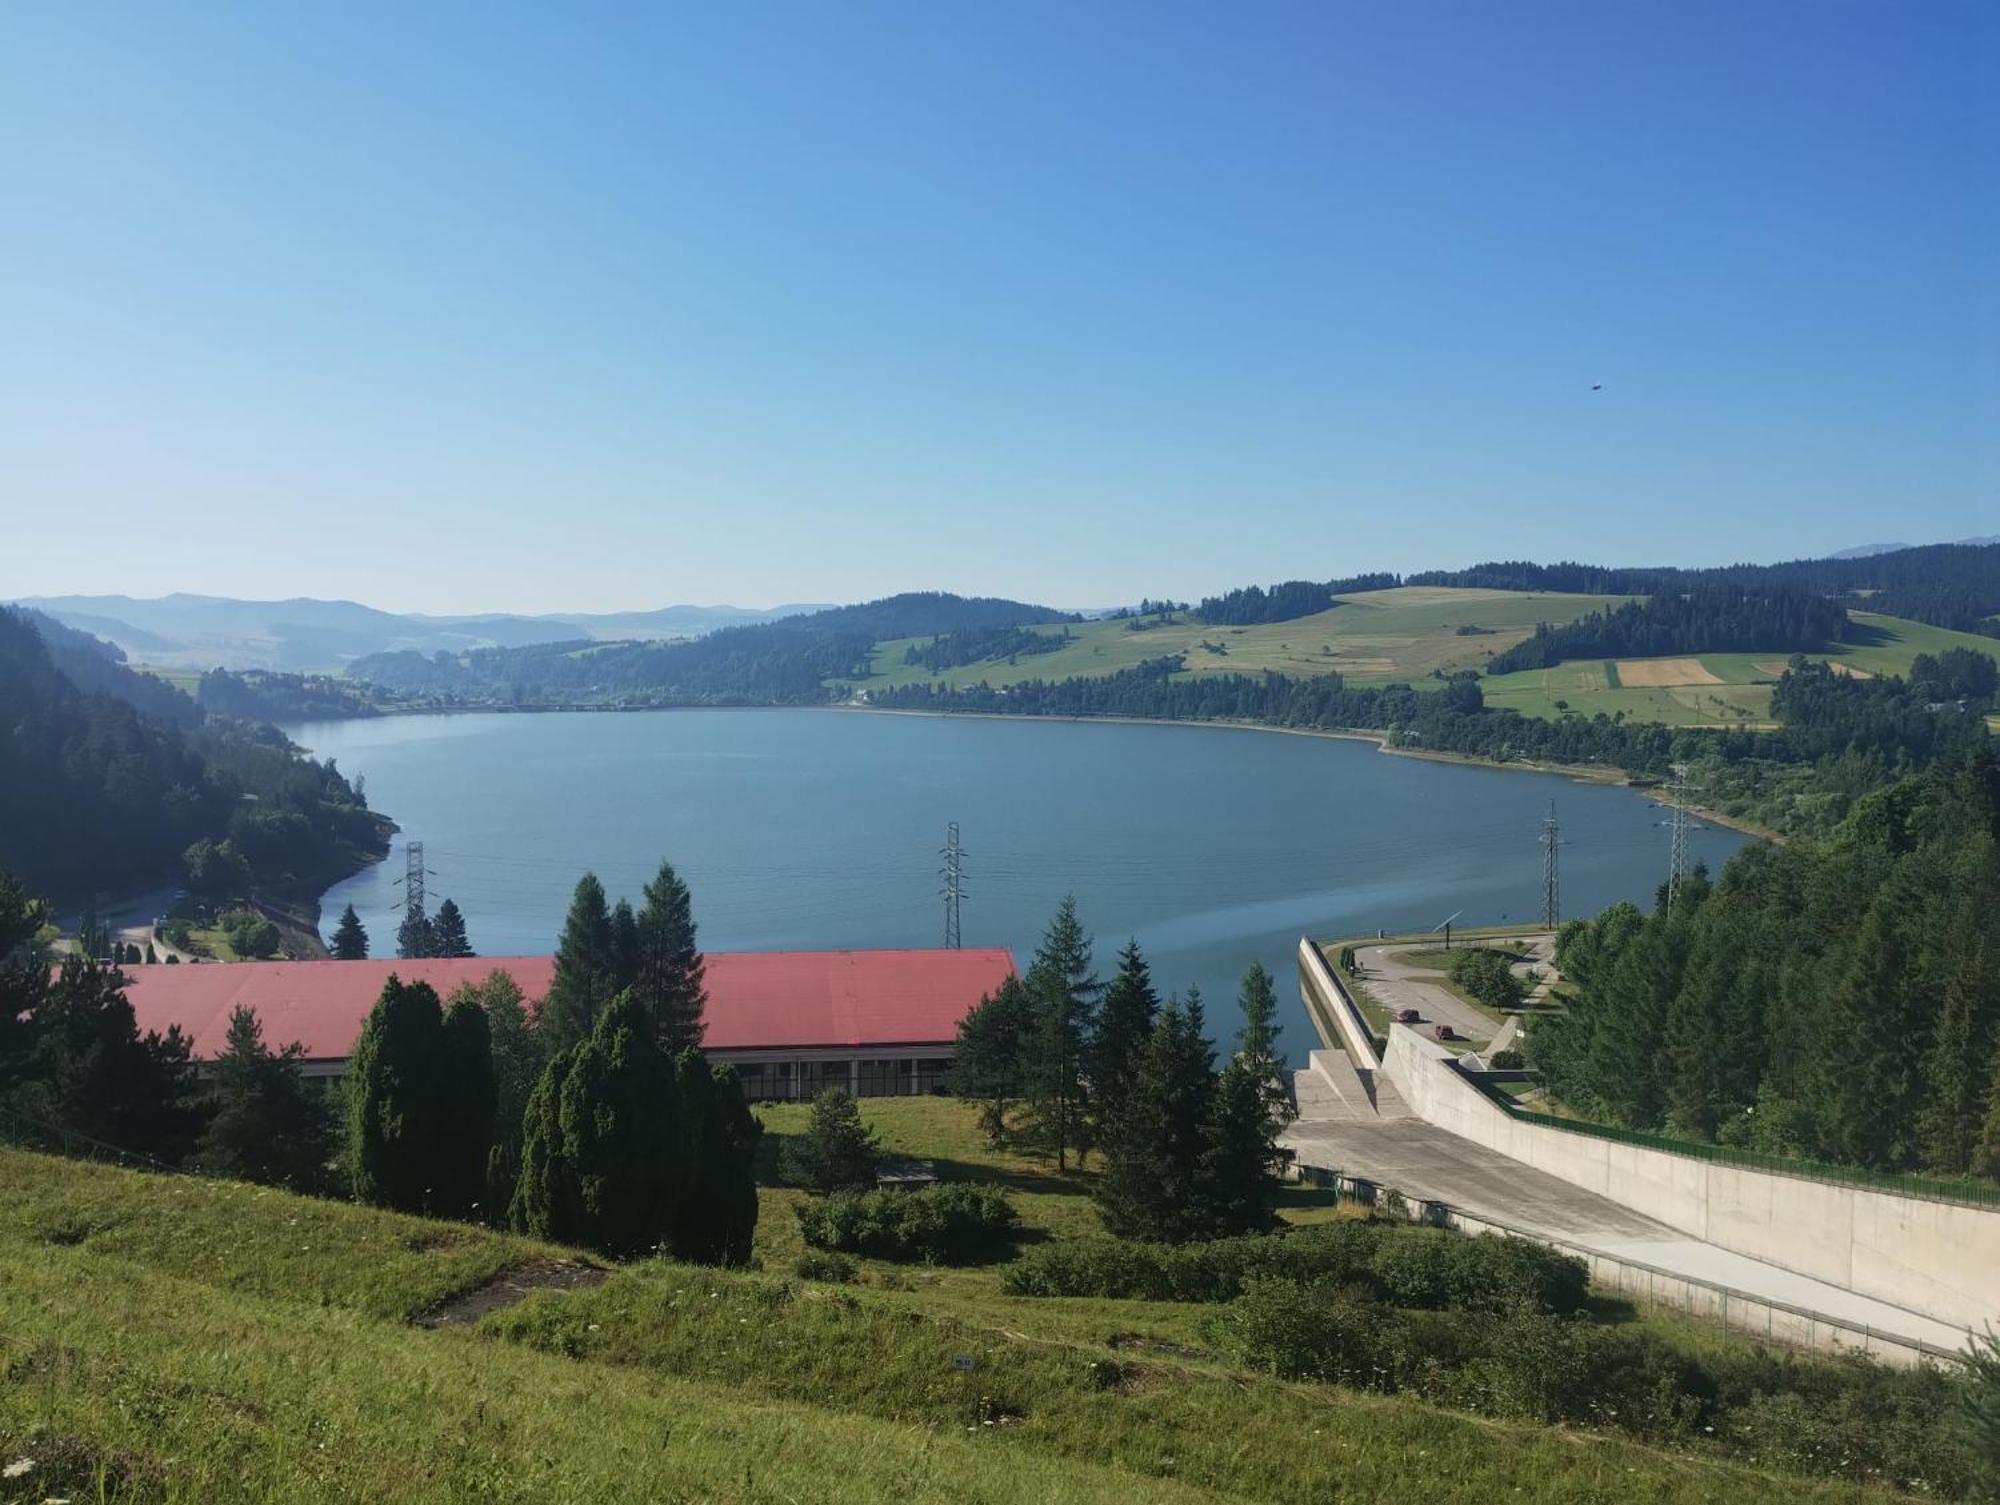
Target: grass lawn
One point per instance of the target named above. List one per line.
(1376, 636)
(177, 1340)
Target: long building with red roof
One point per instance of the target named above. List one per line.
(880, 1023)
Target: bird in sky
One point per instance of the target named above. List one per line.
(1597, 386)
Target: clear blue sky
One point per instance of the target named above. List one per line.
(590, 306)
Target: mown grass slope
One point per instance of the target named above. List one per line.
(170, 1339)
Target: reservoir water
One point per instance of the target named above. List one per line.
(818, 829)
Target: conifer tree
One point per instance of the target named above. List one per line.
(986, 1062)
(1948, 1124)
(624, 945)
(836, 1151)
(265, 1124)
(350, 940)
(1156, 1181)
(1257, 1047)
(586, 970)
(1867, 1074)
(668, 963)
(1239, 1185)
(1125, 1019)
(518, 1059)
(1064, 991)
(392, 1098)
(414, 938)
(448, 937)
(602, 1156)
(466, 1095)
(716, 1220)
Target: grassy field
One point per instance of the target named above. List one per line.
(1741, 693)
(165, 1338)
(1378, 636)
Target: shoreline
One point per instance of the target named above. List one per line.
(1579, 773)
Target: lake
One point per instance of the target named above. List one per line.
(821, 829)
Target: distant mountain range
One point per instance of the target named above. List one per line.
(308, 636)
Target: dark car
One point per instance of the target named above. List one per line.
(1407, 1016)
(1445, 1032)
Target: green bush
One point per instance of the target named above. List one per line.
(958, 1222)
(250, 934)
(818, 1265)
(1406, 1266)
(1507, 1060)
(1484, 975)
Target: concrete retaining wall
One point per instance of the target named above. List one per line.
(1657, 1289)
(1330, 1006)
(1938, 1258)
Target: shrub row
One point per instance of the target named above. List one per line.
(1849, 1417)
(1405, 1266)
(956, 1222)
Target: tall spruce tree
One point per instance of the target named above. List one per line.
(668, 964)
(715, 1221)
(466, 1095)
(624, 945)
(1125, 1019)
(1064, 990)
(1239, 1183)
(448, 937)
(1257, 1047)
(1948, 1123)
(392, 1098)
(1156, 1179)
(415, 938)
(986, 1062)
(586, 970)
(602, 1152)
(1867, 1080)
(265, 1124)
(350, 939)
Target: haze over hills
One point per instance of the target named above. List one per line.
(306, 635)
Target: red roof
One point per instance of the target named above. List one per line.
(771, 1000)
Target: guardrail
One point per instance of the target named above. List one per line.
(1438, 1213)
(1924, 1188)
(1352, 1025)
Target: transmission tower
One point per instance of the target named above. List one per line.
(953, 874)
(1678, 855)
(412, 884)
(1551, 879)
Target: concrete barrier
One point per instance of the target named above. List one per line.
(1337, 1016)
(1941, 1259)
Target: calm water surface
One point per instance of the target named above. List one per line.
(806, 829)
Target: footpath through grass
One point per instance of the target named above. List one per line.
(163, 1338)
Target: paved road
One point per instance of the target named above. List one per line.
(1396, 984)
(1423, 1161)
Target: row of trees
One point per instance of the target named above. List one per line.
(1188, 1151)
(419, 935)
(1705, 619)
(1836, 999)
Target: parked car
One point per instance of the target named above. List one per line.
(1445, 1032)
(1407, 1016)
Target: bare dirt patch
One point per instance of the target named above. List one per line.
(510, 1286)
(1663, 673)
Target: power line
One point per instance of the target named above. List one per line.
(1551, 878)
(952, 873)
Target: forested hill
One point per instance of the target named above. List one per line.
(108, 777)
(786, 662)
(1706, 619)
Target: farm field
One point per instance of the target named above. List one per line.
(1713, 689)
(1374, 637)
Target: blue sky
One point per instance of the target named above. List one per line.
(567, 307)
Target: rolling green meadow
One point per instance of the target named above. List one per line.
(166, 1338)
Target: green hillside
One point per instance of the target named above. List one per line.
(168, 1338)
(1373, 637)
(1740, 694)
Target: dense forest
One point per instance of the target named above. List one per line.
(1836, 999)
(774, 663)
(266, 695)
(1704, 619)
(974, 645)
(1946, 585)
(1838, 737)
(97, 790)
(1283, 602)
